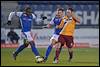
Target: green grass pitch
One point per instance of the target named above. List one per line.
(82, 57)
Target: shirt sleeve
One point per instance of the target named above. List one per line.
(52, 22)
(34, 17)
(14, 13)
(18, 13)
(11, 15)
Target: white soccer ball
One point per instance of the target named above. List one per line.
(39, 59)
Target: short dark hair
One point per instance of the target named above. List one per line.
(60, 9)
(70, 9)
(27, 8)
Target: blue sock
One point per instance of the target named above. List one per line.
(20, 48)
(34, 49)
(48, 51)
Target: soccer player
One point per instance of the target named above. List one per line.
(66, 35)
(58, 22)
(26, 18)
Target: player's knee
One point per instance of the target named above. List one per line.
(26, 43)
(58, 45)
(70, 49)
(53, 42)
(70, 45)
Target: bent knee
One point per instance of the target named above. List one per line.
(58, 45)
(26, 43)
(53, 41)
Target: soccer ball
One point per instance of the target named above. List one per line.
(39, 59)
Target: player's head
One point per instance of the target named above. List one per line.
(69, 12)
(28, 10)
(59, 12)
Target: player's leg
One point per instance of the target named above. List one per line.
(32, 43)
(34, 49)
(53, 41)
(58, 50)
(20, 48)
(69, 44)
(70, 54)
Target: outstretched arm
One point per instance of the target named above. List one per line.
(14, 13)
(11, 15)
(75, 18)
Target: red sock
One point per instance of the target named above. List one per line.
(57, 53)
(58, 50)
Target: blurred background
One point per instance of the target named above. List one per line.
(86, 33)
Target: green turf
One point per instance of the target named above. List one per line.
(82, 57)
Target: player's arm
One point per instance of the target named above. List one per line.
(75, 18)
(61, 24)
(51, 23)
(11, 15)
(34, 17)
(47, 26)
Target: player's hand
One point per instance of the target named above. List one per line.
(73, 14)
(48, 25)
(9, 22)
(76, 18)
